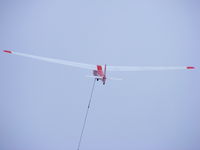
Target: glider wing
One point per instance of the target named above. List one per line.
(146, 68)
(57, 61)
(93, 67)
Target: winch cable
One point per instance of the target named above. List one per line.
(86, 115)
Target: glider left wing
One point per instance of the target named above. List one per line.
(53, 60)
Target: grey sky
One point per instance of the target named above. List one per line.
(43, 104)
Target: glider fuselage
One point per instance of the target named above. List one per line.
(100, 74)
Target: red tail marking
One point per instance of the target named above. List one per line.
(190, 67)
(6, 51)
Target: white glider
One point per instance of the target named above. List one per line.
(98, 71)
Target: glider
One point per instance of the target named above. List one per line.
(98, 72)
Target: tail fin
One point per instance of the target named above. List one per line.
(105, 70)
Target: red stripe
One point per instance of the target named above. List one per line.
(6, 51)
(99, 67)
(190, 67)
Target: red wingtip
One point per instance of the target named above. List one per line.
(190, 67)
(7, 51)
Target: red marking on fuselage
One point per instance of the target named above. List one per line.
(99, 67)
(190, 67)
(100, 71)
(7, 51)
(100, 74)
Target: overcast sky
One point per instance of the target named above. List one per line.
(42, 105)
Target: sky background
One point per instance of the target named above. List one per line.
(42, 105)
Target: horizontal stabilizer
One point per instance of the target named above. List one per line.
(118, 79)
(97, 77)
(94, 77)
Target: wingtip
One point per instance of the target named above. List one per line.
(190, 67)
(7, 51)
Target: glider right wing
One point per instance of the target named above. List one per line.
(147, 68)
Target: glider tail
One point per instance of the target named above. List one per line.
(105, 70)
